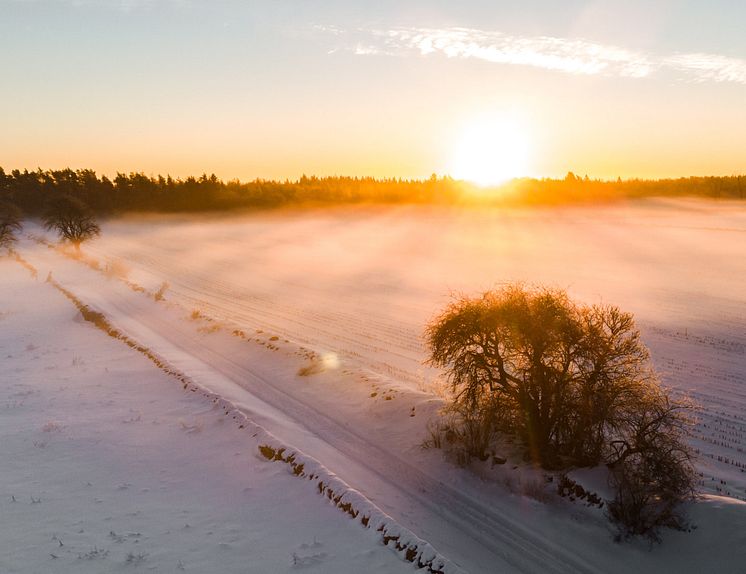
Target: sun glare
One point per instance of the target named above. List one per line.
(491, 151)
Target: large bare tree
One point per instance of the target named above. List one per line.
(572, 382)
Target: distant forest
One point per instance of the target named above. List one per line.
(31, 191)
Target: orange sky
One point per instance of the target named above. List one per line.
(604, 88)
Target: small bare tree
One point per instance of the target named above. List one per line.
(71, 219)
(10, 224)
(651, 468)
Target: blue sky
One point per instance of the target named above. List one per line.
(276, 89)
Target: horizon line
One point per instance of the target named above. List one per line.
(570, 174)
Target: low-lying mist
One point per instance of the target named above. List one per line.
(360, 283)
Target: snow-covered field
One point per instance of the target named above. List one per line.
(109, 466)
(309, 324)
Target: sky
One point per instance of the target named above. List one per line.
(479, 89)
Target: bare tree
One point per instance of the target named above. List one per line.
(10, 224)
(555, 372)
(71, 219)
(651, 468)
(572, 382)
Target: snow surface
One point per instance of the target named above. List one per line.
(251, 302)
(109, 466)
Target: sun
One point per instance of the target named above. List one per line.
(490, 151)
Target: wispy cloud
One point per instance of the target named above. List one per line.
(571, 56)
(568, 55)
(709, 67)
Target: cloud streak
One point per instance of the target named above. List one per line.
(570, 56)
(709, 67)
(567, 55)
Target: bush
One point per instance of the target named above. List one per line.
(573, 384)
(467, 434)
(160, 294)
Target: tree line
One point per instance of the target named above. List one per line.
(32, 191)
(136, 192)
